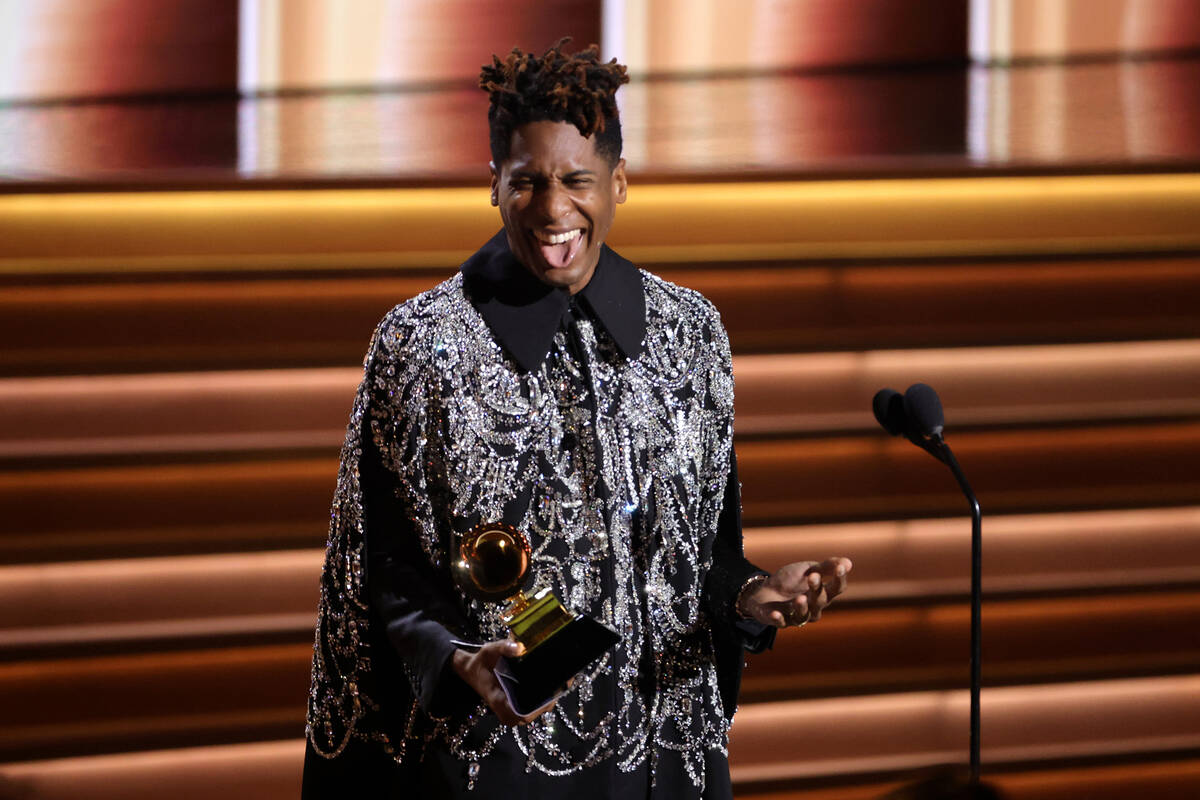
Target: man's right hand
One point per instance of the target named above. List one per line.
(477, 670)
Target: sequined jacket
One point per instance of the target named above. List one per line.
(601, 426)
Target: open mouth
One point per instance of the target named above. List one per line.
(559, 249)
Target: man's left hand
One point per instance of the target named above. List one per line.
(797, 593)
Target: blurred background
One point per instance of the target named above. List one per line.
(206, 206)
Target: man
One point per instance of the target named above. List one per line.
(553, 387)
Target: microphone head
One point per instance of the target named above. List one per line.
(888, 406)
(924, 409)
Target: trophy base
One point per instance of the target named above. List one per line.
(534, 679)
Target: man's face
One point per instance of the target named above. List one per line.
(557, 198)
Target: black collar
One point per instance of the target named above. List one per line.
(523, 313)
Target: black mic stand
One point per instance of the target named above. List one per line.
(946, 456)
(917, 415)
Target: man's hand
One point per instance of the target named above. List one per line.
(476, 669)
(797, 593)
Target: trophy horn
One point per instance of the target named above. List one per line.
(493, 560)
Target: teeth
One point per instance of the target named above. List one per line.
(557, 238)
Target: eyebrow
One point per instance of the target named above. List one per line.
(575, 173)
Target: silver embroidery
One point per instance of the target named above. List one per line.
(625, 464)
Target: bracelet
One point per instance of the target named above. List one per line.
(753, 582)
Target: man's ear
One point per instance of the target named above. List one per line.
(495, 183)
(620, 184)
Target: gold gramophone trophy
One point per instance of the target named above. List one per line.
(492, 565)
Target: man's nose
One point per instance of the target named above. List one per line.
(554, 204)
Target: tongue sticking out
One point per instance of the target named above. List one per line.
(560, 255)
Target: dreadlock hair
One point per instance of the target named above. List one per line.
(578, 89)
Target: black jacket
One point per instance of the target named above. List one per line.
(602, 424)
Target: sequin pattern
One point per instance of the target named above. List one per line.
(615, 469)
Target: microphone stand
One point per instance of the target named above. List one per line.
(917, 414)
(943, 453)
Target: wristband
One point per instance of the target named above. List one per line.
(753, 582)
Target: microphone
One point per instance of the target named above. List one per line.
(924, 409)
(889, 411)
(918, 416)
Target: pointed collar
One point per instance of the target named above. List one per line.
(523, 313)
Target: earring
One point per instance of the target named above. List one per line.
(495, 200)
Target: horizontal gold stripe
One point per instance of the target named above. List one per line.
(894, 562)
(911, 730)
(662, 223)
(811, 393)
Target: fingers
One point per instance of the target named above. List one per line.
(785, 613)
(496, 699)
(797, 612)
(817, 597)
(490, 654)
(476, 669)
(799, 592)
(769, 614)
(504, 712)
(822, 583)
(791, 580)
(835, 574)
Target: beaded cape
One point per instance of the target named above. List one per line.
(614, 466)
